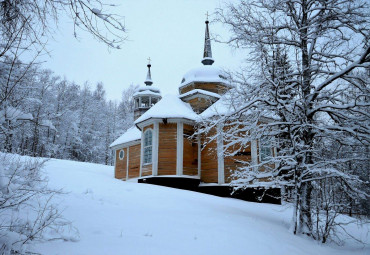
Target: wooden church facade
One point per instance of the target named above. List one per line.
(161, 147)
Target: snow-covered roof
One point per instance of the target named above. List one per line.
(205, 73)
(228, 104)
(151, 88)
(222, 107)
(200, 91)
(130, 135)
(147, 90)
(14, 114)
(146, 93)
(170, 106)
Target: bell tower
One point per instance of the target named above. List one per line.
(146, 96)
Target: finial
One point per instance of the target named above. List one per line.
(207, 53)
(148, 81)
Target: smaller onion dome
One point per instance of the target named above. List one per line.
(146, 96)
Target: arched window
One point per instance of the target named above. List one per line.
(148, 139)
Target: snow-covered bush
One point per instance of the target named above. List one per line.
(27, 212)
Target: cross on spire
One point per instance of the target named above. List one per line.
(148, 81)
(207, 53)
(207, 16)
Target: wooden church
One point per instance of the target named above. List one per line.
(161, 147)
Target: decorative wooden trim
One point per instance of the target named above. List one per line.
(254, 153)
(155, 149)
(199, 95)
(124, 145)
(151, 121)
(180, 148)
(147, 130)
(172, 176)
(128, 155)
(199, 155)
(220, 155)
(202, 82)
(275, 155)
(114, 160)
(141, 153)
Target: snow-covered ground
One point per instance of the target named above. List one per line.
(116, 217)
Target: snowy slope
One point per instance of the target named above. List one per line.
(116, 217)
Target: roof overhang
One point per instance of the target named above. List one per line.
(151, 121)
(125, 145)
(199, 93)
(147, 93)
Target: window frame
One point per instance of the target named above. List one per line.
(271, 154)
(148, 146)
(119, 154)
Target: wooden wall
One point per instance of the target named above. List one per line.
(167, 157)
(209, 172)
(146, 170)
(199, 104)
(209, 168)
(167, 148)
(120, 168)
(190, 158)
(232, 163)
(134, 161)
(212, 87)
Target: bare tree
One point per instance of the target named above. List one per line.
(29, 21)
(26, 208)
(294, 100)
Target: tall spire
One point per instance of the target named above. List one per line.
(207, 54)
(148, 81)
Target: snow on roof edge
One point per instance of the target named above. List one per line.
(201, 91)
(177, 109)
(131, 134)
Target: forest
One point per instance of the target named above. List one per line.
(44, 115)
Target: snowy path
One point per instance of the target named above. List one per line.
(115, 217)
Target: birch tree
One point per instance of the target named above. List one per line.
(304, 57)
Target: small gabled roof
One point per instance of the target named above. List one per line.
(151, 88)
(229, 104)
(170, 106)
(223, 106)
(130, 135)
(199, 91)
(146, 93)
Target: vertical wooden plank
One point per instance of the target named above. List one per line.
(180, 148)
(155, 149)
(199, 156)
(127, 159)
(220, 155)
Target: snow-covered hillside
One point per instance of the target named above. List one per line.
(116, 217)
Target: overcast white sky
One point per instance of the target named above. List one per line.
(170, 32)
